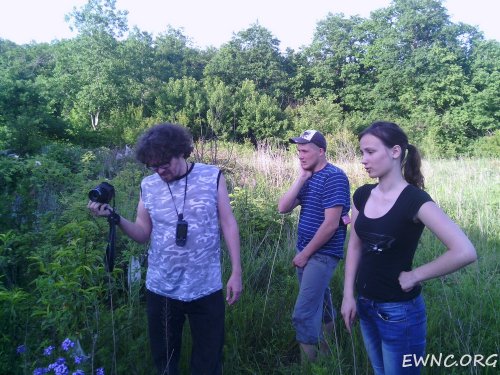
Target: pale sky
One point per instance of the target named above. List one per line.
(213, 22)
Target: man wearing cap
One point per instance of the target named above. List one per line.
(322, 191)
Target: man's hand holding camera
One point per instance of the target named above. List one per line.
(99, 209)
(104, 209)
(100, 197)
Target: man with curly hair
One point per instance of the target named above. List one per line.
(182, 207)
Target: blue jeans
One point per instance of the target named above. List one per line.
(314, 302)
(391, 330)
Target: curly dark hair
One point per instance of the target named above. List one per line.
(163, 142)
(391, 135)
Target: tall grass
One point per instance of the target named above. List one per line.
(64, 289)
(462, 307)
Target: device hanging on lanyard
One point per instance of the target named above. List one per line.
(181, 229)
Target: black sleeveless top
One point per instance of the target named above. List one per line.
(388, 244)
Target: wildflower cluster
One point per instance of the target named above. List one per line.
(60, 364)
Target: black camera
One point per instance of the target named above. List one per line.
(181, 232)
(102, 193)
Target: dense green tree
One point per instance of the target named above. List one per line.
(323, 114)
(138, 61)
(98, 17)
(439, 80)
(176, 58)
(484, 103)
(253, 54)
(400, 31)
(479, 115)
(259, 115)
(95, 62)
(183, 101)
(336, 59)
(220, 113)
(28, 114)
(406, 63)
(102, 86)
(299, 83)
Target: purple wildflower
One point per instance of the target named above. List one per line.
(59, 367)
(78, 372)
(79, 359)
(100, 371)
(40, 371)
(59, 362)
(21, 349)
(48, 350)
(67, 344)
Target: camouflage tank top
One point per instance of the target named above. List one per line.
(192, 271)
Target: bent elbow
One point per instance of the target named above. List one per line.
(472, 256)
(469, 255)
(283, 209)
(142, 238)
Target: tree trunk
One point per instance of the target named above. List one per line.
(94, 120)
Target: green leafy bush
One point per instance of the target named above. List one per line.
(488, 146)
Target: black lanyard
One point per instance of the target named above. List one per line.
(180, 216)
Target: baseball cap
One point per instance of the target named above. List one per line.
(310, 136)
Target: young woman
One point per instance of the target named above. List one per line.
(388, 219)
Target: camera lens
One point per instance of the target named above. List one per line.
(95, 195)
(103, 193)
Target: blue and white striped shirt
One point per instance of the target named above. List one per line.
(326, 188)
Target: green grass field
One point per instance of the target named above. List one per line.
(463, 317)
(54, 285)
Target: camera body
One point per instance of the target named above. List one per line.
(102, 193)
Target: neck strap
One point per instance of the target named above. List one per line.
(180, 216)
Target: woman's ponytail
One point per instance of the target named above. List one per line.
(411, 167)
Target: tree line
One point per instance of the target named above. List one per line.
(407, 63)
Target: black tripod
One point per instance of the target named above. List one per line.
(109, 258)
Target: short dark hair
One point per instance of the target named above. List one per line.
(163, 142)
